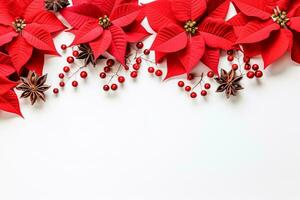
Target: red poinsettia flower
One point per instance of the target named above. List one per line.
(106, 25)
(268, 27)
(189, 31)
(25, 26)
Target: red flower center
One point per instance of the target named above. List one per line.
(280, 17)
(104, 22)
(19, 24)
(191, 27)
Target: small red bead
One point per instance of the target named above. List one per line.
(74, 83)
(207, 86)
(259, 74)
(102, 75)
(110, 62)
(255, 67)
(190, 77)
(138, 60)
(193, 95)
(136, 66)
(146, 52)
(121, 79)
(55, 90)
(250, 74)
(62, 84)
(107, 69)
(158, 72)
(70, 59)
(61, 75)
(180, 84)
(106, 88)
(139, 45)
(75, 53)
(63, 47)
(134, 74)
(83, 74)
(203, 93)
(247, 67)
(230, 52)
(235, 67)
(114, 87)
(66, 69)
(210, 74)
(230, 58)
(187, 88)
(151, 70)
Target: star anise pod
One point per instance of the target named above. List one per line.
(33, 87)
(229, 83)
(56, 5)
(86, 54)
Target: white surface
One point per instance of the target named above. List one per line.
(150, 141)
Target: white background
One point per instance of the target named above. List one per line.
(150, 141)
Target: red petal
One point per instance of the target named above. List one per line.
(192, 54)
(135, 32)
(175, 68)
(185, 10)
(6, 85)
(296, 48)
(256, 31)
(217, 33)
(5, 17)
(159, 56)
(211, 59)
(118, 44)
(88, 32)
(49, 22)
(36, 62)
(125, 14)
(20, 52)
(6, 34)
(276, 46)
(295, 23)
(101, 44)
(35, 7)
(217, 8)
(6, 66)
(253, 49)
(170, 39)
(9, 103)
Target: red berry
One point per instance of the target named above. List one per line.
(203, 93)
(70, 59)
(146, 52)
(180, 84)
(207, 86)
(75, 53)
(62, 84)
(121, 79)
(114, 87)
(151, 70)
(259, 74)
(230, 58)
(63, 47)
(138, 60)
(66, 69)
(193, 95)
(158, 72)
(106, 88)
(102, 75)
(247, 67)
(136, 66)
(139, 45)
(55, 90)
(250, 74)
(107, 69)
(230, 52)
(134, 74)
(74, 83)
(255, 67)
(210, 74)
(110, 62)
(187, 88)
(61, 75)
(190, 77)
(235, 67)
(83, 74)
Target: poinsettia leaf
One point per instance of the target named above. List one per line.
(211, 59)
(118, 44)
(9, 102)
(217, 8)
(88, 32)
(295, 23)
(20, 52)
(36, 62)
(217, 33)
(170, 39)
(185, 10)
(191, 55)
(159, 56)
(135, 32)
(35, 7)
(6, 85)
(101, 44)
(276, 46)
(125, 14)
(175, 68)
(6, 34)
(49, 22)
(5, 16)
(6, 66)
(296, 48)
(253, 49)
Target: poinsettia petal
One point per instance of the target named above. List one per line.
(217, 33)
(38, 37)
(6, 34)
(125, 14)
(6, 85)
(256, 8)
(217, 8)
(6, 66)
(88, 32)
(9, 102)
(49, 22)
(5, 17)
(253, 49)
(35, 7)
(185, 10)
(20, 52)
(170, 39)
(276, 46)
(295, 23)
(175, 68)
(296, 48)
(159, 56)
(135, 32)
(118, 44)
(36, 62)
(257, 31)
(191, 55)
(101, 44)
(211, 59)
